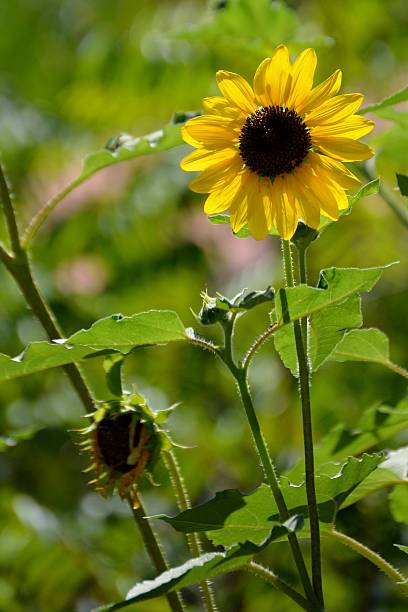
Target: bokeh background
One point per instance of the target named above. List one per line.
(72, 75)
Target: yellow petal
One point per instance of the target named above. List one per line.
(306, 204)
(344, 149)
(260, 83)
(353, 127)
(320, 93)
(266, 192)
(204, 158)
(301, 77)
(210, 131)
(215, 105)
(238, 216)
(236, 89)
(256, 217)
(334, 110)
(286, 218)
(277, 77)
(336, 171)
(220, 200)
(324, 195)
(217, 176)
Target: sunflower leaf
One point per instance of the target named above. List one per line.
(398, 499)
(376, 424)
(333, 308)
(114, 333)
(392, 471)
(231, 517)
(193, 571)
(363, 345)
(125, 147)
(402, 184)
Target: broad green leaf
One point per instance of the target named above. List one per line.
(114, 333)
(368, 189)
(402, 547)
(376, 424)
(127, 147)
(392, 471)
(335, 285)
(395, 98)
(192, 572)
(403, 184)
(231, 516)
(327, 328)
(237, 518)
(398, 117)
(398, 499)
(363, 345)
(333, 307)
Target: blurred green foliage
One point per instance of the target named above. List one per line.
(72, 75)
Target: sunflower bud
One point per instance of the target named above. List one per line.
(125, 442)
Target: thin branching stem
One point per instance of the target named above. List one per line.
(19, 266)
(367, 553)
(269, 576)
(193, 539)
(154, 549)
(304, 389)
(9, 213)
(241, 377)
(43, 214)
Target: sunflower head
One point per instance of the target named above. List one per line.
(124, 442)
(272, 153)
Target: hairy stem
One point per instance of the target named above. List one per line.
(18, 264)
(9, 213)
(154, 549)
(366, 552)
(269, 576)
(394, 203)
(193, 539)
(240, 375)
(46, 210)
(304, 388)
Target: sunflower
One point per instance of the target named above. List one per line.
(272, 154)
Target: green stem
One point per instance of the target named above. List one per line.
(152, 545)
(394, 203)
(193, 539)
(21, 270)
(240, 375)
(269, 576)
(302, 267)
(18, 264)
(304, 388)
(46, 210)
(366, 552)
(9, 214)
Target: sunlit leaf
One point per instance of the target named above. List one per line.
(376, 424)
(398, 499)
(333, 308)
(125, 147)
(392, 471)
(192, 572)
(231, 516)
(363, 345)
(114, 333)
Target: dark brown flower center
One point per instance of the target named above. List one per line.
(274, 140)
(115, 440)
